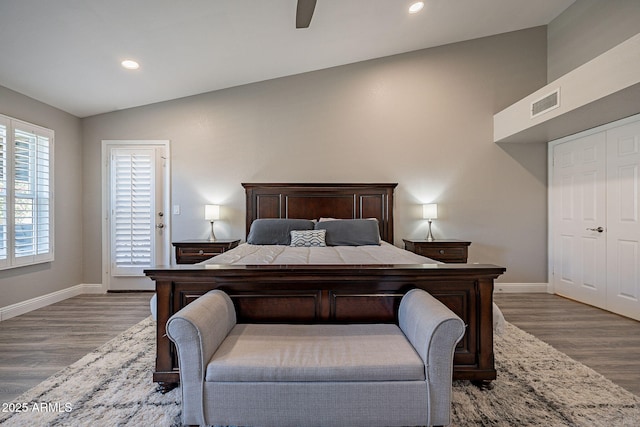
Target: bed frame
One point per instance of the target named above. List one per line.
(331, 293)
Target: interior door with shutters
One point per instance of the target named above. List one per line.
(623, 226)
(137, 220)
(579, 219)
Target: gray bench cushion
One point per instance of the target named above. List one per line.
(370, 352)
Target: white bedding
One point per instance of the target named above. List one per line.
(247, 254)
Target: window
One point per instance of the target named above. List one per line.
(26, 193)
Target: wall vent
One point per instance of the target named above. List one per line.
(545, 104)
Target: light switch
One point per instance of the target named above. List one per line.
(176, 209)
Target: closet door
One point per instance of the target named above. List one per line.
(578, 219)
(623, 223)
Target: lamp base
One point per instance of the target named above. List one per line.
(212, 236)
(429, 234)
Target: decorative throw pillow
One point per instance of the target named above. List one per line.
(308, 237)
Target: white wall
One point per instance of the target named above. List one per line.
(422, 119)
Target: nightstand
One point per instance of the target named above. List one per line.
(194, 251)
(445, 250)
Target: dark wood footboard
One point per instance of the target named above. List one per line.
(334, 294)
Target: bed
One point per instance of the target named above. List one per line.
(320, 289)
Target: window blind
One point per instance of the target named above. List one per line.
(132, 210)
(4, 254)
(26, 193)
(31, 194)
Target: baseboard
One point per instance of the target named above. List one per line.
(504, 288)
(94, 288)
(42, 301)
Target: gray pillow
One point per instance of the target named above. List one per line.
(350, 232)
(276, 231)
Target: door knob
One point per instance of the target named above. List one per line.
(599, 229)
(159, 225)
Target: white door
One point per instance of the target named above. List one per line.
(136, 231)
(623, 239)
(578, 228)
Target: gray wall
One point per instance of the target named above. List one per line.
(422, 119)
(587, 29)
(23, 283)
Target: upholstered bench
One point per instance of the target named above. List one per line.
(315, 375)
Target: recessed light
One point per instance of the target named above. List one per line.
(130, 64)
(416, 7)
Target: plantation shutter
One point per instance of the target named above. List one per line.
(26, 193)
(32, 201)
(4, 249)
(132, 210)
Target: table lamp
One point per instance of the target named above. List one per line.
(212, 213)
(430, 212)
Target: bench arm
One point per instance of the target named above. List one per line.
(197, 331)
(434, 331)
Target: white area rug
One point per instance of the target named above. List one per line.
(536, 386)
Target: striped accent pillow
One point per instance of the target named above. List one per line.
(308, 237)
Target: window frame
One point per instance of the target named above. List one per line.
(40, 174)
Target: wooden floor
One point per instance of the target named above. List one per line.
(606, 342)
(38, 344)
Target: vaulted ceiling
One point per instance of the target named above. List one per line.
(67, 53)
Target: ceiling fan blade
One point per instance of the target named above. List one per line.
(304, 13)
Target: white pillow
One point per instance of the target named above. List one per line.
(308, 237)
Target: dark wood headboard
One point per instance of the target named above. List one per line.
(313, 201)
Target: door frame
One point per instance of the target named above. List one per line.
(107, 146)
(550, 176)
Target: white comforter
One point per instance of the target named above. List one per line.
(247, 254)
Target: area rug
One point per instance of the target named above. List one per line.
(536, 386)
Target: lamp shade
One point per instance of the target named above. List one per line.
(211, 212)
(430, 211)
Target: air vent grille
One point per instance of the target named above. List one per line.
(546, 103)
